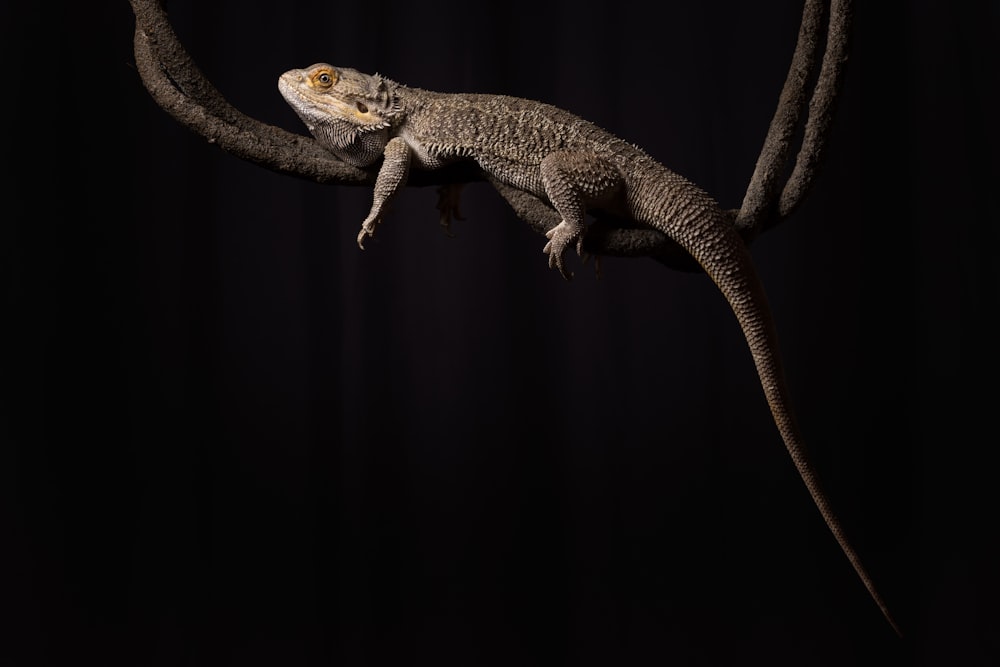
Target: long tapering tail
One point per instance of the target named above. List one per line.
(748, 301)
(694, 221)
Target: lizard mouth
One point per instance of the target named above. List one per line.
(293, 87)
(306, 104)
(288, 85)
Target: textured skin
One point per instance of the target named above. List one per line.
(572, 164)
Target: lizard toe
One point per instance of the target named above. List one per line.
(555, 252)
(367, 231)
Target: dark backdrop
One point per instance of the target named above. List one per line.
(230, 437)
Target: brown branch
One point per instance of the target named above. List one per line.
(178, 86)
(821, 109)
(762, 207)
(758, 202)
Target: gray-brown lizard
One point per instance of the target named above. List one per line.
(568, 162)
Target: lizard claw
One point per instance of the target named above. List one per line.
(448, 200)
(560, 237)
(556, 262)
(367, 230)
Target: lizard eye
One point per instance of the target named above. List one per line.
(324, 78)
(361, 107)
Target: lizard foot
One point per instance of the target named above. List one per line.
(448, 200)
(561, 236)
(367, 229)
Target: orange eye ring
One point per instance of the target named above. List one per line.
(324, 78)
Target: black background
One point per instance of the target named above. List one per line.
(230, 437)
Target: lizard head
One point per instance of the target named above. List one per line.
(323, 94)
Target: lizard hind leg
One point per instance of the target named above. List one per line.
(573, 181)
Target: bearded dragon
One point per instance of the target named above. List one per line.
(574, 166)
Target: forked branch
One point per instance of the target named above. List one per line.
(178, 86)
(762, 207)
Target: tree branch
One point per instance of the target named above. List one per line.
(178, 86)
(762, 209)
(821, 109)
(176, 83)
(758, 203)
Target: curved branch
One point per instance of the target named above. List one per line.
(821, 109)
(762, 207)
(758, 202)
(178, 86)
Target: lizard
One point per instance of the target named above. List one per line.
(573, 165)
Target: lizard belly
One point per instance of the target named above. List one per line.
(526, 177)
(429, 155)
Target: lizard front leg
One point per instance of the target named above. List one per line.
(574, 180)
(391, 178)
